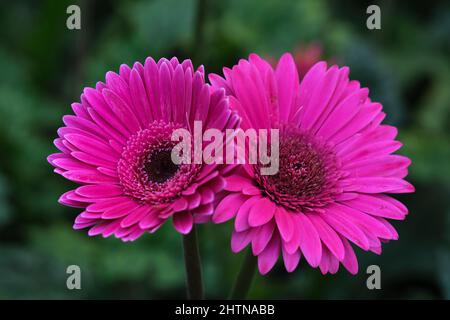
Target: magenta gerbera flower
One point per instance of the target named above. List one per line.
(335, 167)
(118, 146)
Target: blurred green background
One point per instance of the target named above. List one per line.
(44, 67)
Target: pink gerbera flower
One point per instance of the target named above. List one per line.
(118, 146)
(335, 167)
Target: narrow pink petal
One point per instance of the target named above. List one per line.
(178, 95)
(92, 147)
(183, 222)
(88, 176)
(344, 227)
(228, 207)
(251, 190)
(119, 210)
(370, 150)
(334, 264)
(268, 258)
(194, 201)
(70, 164)
(377, 185)
(124, 72)
(294, 243)
(207, 195)
(64, 200)
(262, 237)
(122, 110)
(239, 240)
(82, 124)
(309, 240)
(98, 229)
(291, 260)
(113, 130)
(350, 262)
(286, 76)
(319, 102)
(139, 97)
(365, 115)
(325, 262)
(135, 216)
(99, 191)
(203, 210)
(134, 234)
(91, 159)
(241, 221)
(261, 212)
(190, 190)
(393, 232)
(328, 236)
(103, 110)
(237, 183)
(285, 223)
(72, 195)
(118, 85)
(180, 204)
(307, 86)
(150, 220)
(377, 205)
(80, 111)
(342, 114)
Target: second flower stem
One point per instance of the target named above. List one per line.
(193, 265)
(245, 277)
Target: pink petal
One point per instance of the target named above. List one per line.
(237, 183)
(88, 176)
(194, 201)
(239, 240)
(377, 185)
(268, 258)
(261, 212)
(91, 159)
(122, 110)
(228, 207)
(120, 210)
(99, 191)
(365, 221)
(350, 262)
(92, 147)
(291, 260)
(320, 98)
(345, 227)
(139, 97)
(342, 114)
(135, 216)
(328, 236)
(262, 237)
(286, 76)
(377, 205)
(150, 220)
(180, 204)
(285, 223)
(309, 240)
(241, 221)
(183, 222)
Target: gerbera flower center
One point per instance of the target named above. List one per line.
(308, 172)
(146, 170)
(160, 167)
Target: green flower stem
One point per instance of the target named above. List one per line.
(193, 265)
(245, 277)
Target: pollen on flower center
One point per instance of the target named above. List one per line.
(146, 170)
(308, 172)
